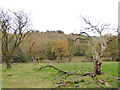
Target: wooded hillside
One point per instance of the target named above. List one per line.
(55, 45)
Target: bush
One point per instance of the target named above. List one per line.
(19, 56)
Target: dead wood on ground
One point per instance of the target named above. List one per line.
(67, 82)
(54, 68)
(118, 78)
(66, 72)
(103, 82)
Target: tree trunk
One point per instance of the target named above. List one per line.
(8, 62)
(8, 65)
(97, 67)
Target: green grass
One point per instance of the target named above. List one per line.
(29, 76)
(0, 76)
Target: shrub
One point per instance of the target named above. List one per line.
(19, 56)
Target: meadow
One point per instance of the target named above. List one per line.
(23, 46)
(28, 75)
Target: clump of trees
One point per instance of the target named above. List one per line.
(60, 48)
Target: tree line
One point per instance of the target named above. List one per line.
(56, 46)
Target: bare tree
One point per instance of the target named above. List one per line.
(98, 42)
(14, 27)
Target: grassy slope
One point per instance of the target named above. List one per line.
(28, 76)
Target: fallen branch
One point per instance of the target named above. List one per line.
(59, 85)
(118, 78)
(103, 82)
(83, 74)
(66, 72)
(64, 83)
(76, 81)
(54, 68)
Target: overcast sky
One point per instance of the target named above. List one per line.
(65, 14)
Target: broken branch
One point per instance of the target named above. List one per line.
(66, 72)
(64, 83)
(54, 68)
(118, 78)
(103, 82)
(76, 81)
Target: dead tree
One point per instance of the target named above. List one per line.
(99, 41)
(14, 28)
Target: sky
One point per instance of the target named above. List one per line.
(65, 14)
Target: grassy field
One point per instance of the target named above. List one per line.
(0, 76)
(28, 75)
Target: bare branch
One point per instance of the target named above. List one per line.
(92, 27)
(89, 37)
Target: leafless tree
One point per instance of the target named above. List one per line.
(99, 41)
(14, 27)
